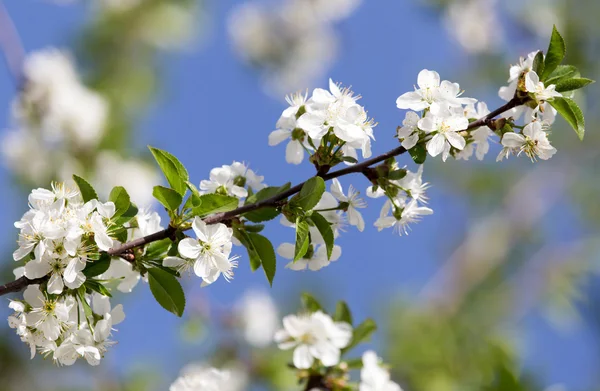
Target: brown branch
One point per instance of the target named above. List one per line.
(316, 381)
(19, 284)
(363, 167)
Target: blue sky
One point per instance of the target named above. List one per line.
(217, 107)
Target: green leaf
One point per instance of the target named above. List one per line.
(120, 234)
(355, 363)
(169, 198)
(254, 228)
(129, 214)
(302, 238)
(87, 191)
(167, 291)
(264, 249)
(562, 72)
(157, 249)
(193, 200)
(538, 63)
(361, 333)
(93, 269)
(418, 153)
(267, 213)
(342, 313)
(121, 199)
(310, 303)
(158, 265)
(571, 113)
(572, 84)
(215, 203)
(325, 230)
(349, 159)
(172, 169)
(555, 54)
(87, 310)
(397, 174)
(262, 214)
(310, 194)
(242, 236)
(97, 287)
(183, 173)
(267, 193)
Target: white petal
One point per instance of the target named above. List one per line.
(55, 284)
(278, 136)
(34, 296)
(174, 262)
(117, 314)
(294, 152)
(189, 248)
(435, 146)
(456, 140)
(337, 191)
(302, 357)
(513, 140)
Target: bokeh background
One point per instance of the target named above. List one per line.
(497, 290)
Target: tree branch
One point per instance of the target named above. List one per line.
(362, 167)
(19, 284)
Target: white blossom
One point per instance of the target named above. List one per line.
(408, 134)
(431, 91)
(353, 201)
(524, 66)
(287, 129)
(533, 142)
(314, 336)
(208, 255)
(447, 125)
(199, 377)
(374, 377)
(315, 258)
(401, 216)
(259, 317)
(537, 88)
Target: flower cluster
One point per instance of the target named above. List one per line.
(60, 233)
(444, 122)
(538, 116)
(53, 108)
(314, 336)
(57, 326)
(320, 344)
(63, 242)
(444, 118)
(330, 125)
(198, 376)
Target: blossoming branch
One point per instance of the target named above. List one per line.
(74, 250)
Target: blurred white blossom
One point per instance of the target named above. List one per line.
(284, 42)
(259, 318)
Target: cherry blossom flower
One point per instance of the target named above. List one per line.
(314, 336)
(374, 377)
(314, 259)
(352, 203)
(533, 142)
(208, 255)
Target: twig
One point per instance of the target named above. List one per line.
(363, 167)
